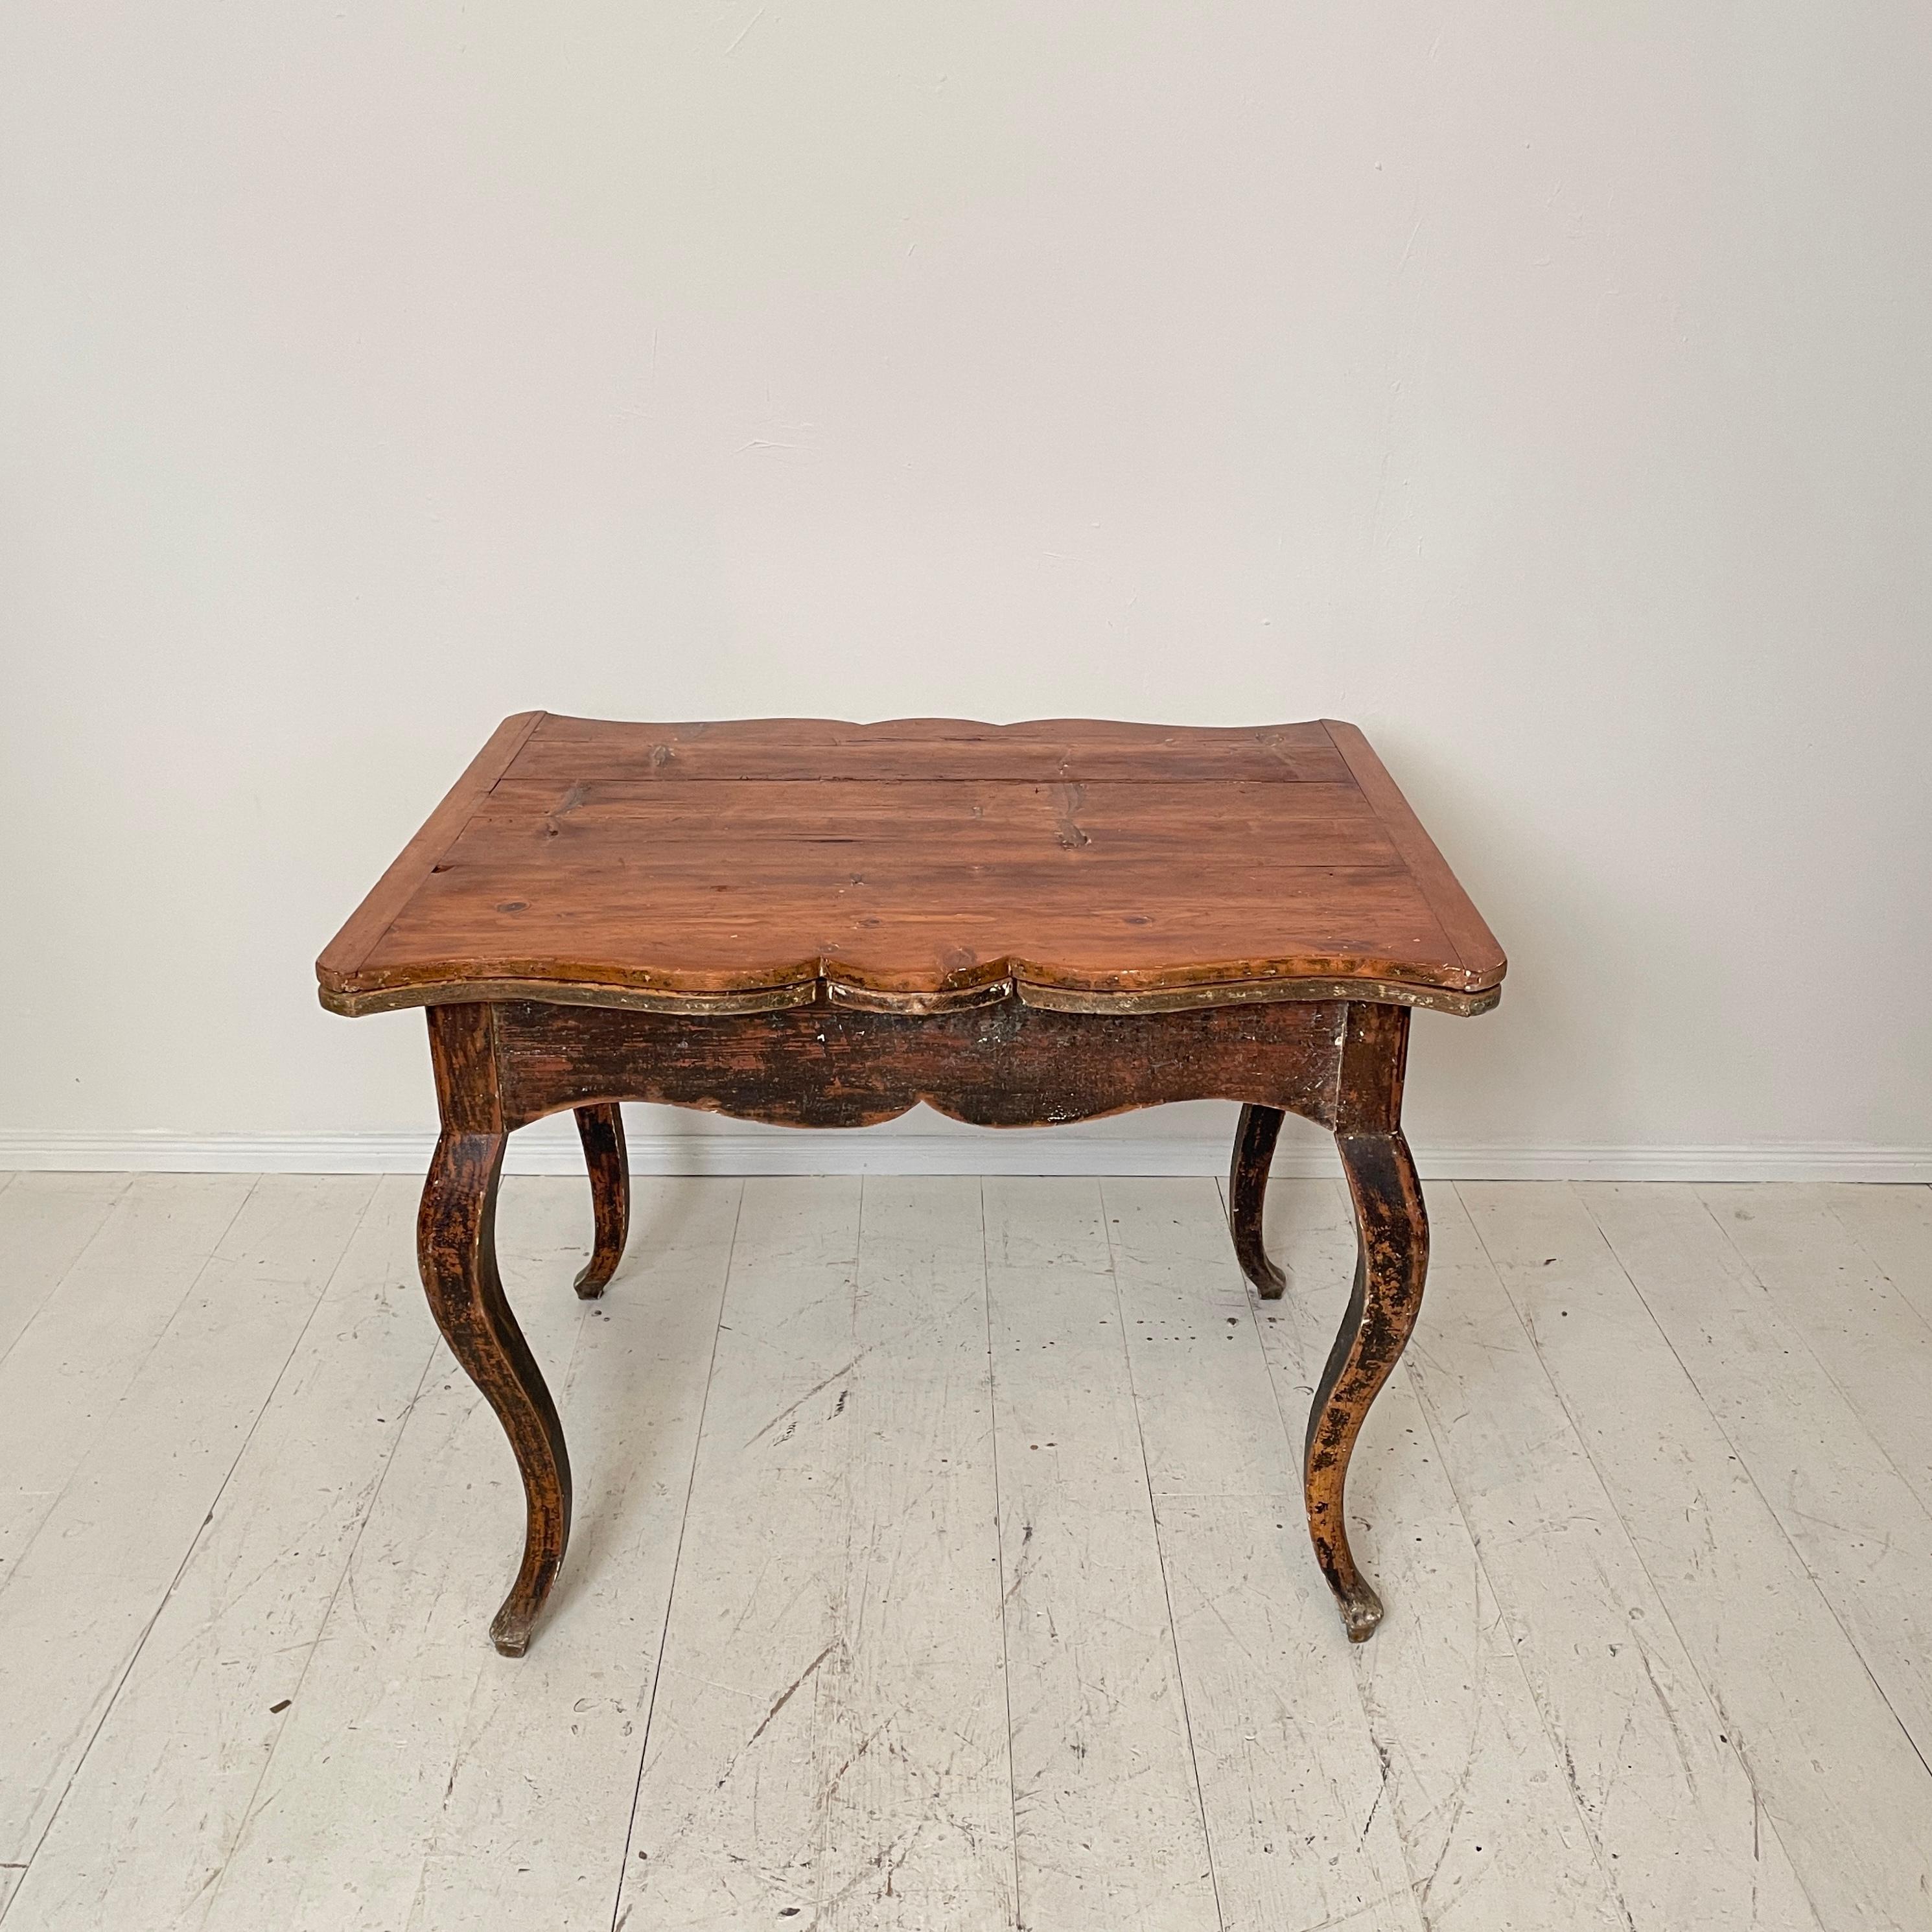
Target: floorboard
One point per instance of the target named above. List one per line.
(1109, 1830)
(338, 1830)
(939, 1560)
(1495, 1839)
(1832, 1770)
(1640, 1739)
(1861, 1532)
(830, 1735)
(78, 1602)
(46, 1221)
(158, 1804)
(1281, 1746)
(531, 1828)
(1868, 1332)
(1894, 1226)
(75, 1356)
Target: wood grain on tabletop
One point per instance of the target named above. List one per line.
(912, 858)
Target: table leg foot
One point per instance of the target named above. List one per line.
(1392, 1229)
(456, 1245)
(1247, 1187)
(510, 1630)
(601, 1130)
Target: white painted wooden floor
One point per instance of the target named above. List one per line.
(938, 1563)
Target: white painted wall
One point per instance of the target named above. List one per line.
(1544, 387)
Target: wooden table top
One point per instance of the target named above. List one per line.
(915, 866)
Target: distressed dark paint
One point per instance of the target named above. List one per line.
(456, 1246)
(500, 1065)
(1247, 1188)
(1007, 1064)
(601, 1131)
(1393, 1259)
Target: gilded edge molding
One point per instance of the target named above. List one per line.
(839, 993)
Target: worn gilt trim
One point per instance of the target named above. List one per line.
(1253, 992)
(843, 993)
(556, 992)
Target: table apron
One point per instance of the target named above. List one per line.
(1005, 1065)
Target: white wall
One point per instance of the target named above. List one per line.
(1545, 387)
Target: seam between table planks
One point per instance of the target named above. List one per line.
(390, 897)
(347, 956)
(1454, 910)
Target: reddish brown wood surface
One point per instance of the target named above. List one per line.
(752, 863)
(393, 891)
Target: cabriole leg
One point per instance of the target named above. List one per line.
(457, 1247)
(1393, 1231)
(601, 1129)
(1247, 1187)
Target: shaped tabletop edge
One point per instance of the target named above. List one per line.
(346, 987)
(1483, 961)
(364, 927)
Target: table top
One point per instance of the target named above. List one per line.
(915, 866)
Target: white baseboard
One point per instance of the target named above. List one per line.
(550, 1148)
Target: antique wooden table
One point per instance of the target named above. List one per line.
(822, 924)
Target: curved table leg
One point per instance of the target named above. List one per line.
(1393, 1230)
(601, 1130)
(1247, 1187)
(456, 1245)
